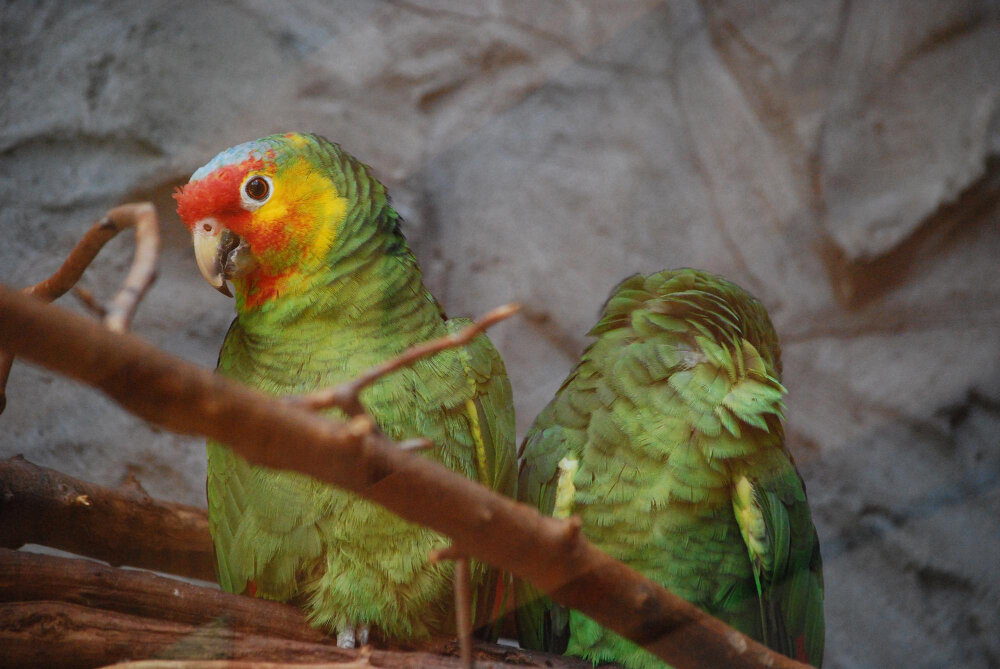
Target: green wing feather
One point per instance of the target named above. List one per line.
(781, 541)
(541, 623)
(676, 401)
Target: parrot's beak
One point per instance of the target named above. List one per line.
(221, 254)
(208, 252)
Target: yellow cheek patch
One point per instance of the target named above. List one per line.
(304, 214)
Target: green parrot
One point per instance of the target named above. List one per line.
(666, 440)
(326, 287)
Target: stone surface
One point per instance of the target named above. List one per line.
(840, 160)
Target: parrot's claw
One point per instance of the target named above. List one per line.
(351, 636)
(345, 636)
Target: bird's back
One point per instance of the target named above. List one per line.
(675, 403)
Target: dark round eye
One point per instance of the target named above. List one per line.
(256, 188)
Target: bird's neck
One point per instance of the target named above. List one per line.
(375, 295)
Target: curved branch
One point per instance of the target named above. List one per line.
(547, 552)
(141, 216)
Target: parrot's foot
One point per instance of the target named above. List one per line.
(350, 636)
(345, 636)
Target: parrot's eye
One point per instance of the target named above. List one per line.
(257, 189)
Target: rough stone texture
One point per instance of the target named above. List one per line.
(839, 159)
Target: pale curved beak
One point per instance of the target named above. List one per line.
(208, 253)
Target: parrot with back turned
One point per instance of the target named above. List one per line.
(666, 440)
(326, 287)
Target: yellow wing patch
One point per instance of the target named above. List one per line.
(749, 518)
(565, 488)
(477, 437)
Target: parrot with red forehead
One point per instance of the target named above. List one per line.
(325, 288)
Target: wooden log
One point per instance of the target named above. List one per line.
(34, 577)
(154, 608)
(122, 526)
(60, 635)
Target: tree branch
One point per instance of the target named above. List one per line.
(481, 523)
(78, 637)
(121, 525)
(362, 663)
(75, 603)
(141, 216)
(463, 611)
(35, 577)
(89, 302)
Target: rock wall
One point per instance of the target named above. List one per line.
(839, 159)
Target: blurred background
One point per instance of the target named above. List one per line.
(840, 160)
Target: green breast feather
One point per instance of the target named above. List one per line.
(349, 561)
(666, 439)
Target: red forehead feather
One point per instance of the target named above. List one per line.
(217, 195)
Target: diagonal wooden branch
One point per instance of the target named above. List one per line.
(118, 316)
(346, 395)
(550, 553)
(121, 525)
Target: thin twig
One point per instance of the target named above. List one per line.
(449, 552)
(463, 599)
(346, 395)
(89, 302)
(481, 523)
(463, 611)
(141, 216)
(143, 271)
